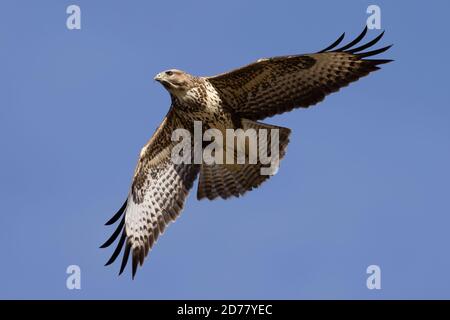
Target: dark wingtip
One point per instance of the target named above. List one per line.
(373, 52)
(355, 41)
(114, 235)
(117, 215)
(134, 266)
(126, 253)
(379, 61)
(334, 44)
(367, 45)
(117, 250)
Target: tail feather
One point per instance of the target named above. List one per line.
(233, 180)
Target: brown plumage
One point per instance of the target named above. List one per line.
(237, 99)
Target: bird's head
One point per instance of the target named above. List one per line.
(177, 82)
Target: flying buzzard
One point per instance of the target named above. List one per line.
(237, 99)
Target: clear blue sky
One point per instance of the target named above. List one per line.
(365, 180)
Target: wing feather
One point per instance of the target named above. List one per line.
(156, 197)
(279, 84)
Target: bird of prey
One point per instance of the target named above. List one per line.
(236, 99)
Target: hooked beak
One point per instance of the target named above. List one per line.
(158, 77)
(161, 78)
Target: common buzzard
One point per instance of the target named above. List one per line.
(236, 99)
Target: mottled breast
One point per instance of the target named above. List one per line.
(207, 105)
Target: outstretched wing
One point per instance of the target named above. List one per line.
(276, 85)
(156, 197)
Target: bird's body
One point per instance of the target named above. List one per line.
(202, 103)
(234, 100)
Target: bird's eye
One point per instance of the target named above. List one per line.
(169, 73)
